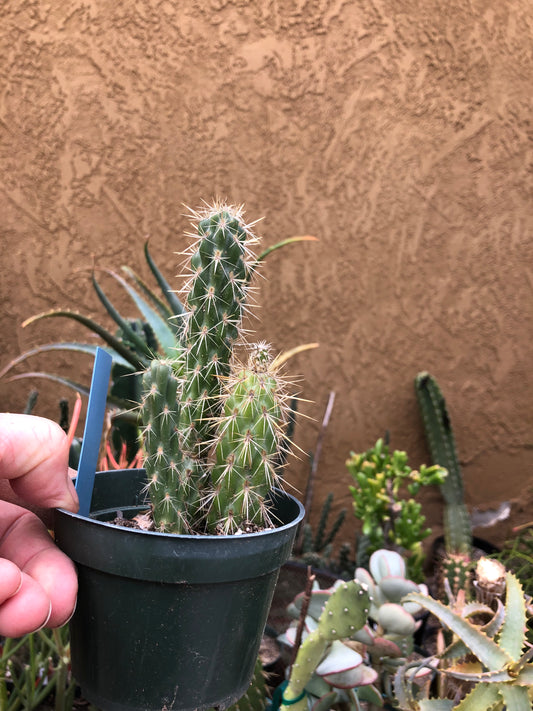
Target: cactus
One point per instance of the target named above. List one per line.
(221, 266)
(502, 673)
(441, 441)
(344, 613)
(213, 429)
(357, 634)
(248, 440)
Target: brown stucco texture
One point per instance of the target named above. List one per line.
(397, 132)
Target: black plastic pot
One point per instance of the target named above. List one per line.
(166, 621)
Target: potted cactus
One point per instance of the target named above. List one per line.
(172, 616)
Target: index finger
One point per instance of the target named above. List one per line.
(34, 458)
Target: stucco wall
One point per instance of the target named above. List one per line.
(398, 132)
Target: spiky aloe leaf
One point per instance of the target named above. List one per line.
(140, 345)
(484, 648)
(435, 705)
(66, 346)
(482, 698)
(283, 243)
(512, 635)
(164, 334)
(115, 343)
(150, 295)
(515, 698)
(174, 303)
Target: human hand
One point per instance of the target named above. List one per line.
(38, 583)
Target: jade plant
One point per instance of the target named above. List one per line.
(383, 500)
(356, 635)
(213, 427)
(457, 563)
(494, 660)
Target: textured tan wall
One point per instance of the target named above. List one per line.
(398, 132)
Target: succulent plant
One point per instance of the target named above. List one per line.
(357, 634)
(213, 429)
(383, 499)
(456, 565)
(494, 659)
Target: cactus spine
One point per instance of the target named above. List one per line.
(441, 442)
(212, 428)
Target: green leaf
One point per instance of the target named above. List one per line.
(77, 387)
(512, 636)
(482, 697)
(160, 327)
(116, 344)
(175, 304)
(485, 649)
(435, 705)
(516, 698)
(159, 304)
(283, 243)
(140, 346)
(76, 347)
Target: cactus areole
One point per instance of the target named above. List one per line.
(172, 617)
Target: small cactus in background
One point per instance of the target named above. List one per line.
(441, 442)
(213, 428)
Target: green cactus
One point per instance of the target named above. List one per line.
(457, 563)
(441, 442)
(255, 697)
(173, 488)
(369, 613)
(213, 429)
(249, 434)
(344, 613)
(221, 266)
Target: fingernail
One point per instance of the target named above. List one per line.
(47, 618)
(70, 616)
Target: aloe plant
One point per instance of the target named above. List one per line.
(501, 674)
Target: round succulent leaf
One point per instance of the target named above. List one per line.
(385, 648)
(338, 659)
(370, 694)
(365, 636)
(316, 604)
(363, 576)
(317, 686)
(384, 563)
(394, 588)
(360, 676)
(394, 619)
